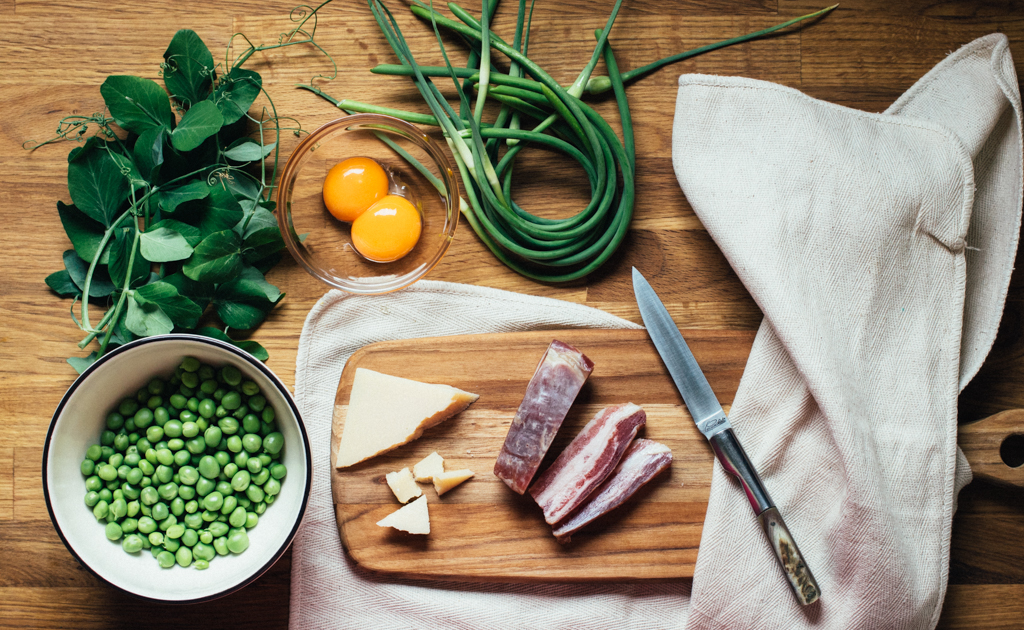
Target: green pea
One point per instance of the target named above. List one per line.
(196, 445)
(122, 471)
(169, 491)
(93, 452)
(241, 459)
(115, 460)
(254, 465)
(190, 364)
(153, 402)
(257, 402)
(154, 433)
(229, 469)
(177, 506)
(190, 380)
(193, 404)
(147, 525)
(220, 545)
(237, 518)
(117, 494)
(238, 541)
(261, 477)
(114, 421)
(231, 401)
(122, 441)
(183, 556)
(132, 543)
(128, 407)
(191, 506)
(146, 466)
(203, 550)
(188, 416)
(205, 538)
(207, 408)
(113, 531)
(254, 493)
(213, 501)
(249, 388)
(133, 508)
(92, 498)
(168, 522)
(171, 544)
(212, 435)
(175, 445)
(224, 487)
(251, 423)
(171, 429)
(268, 414)
(178, 401)
(218, 529)
(182, 457)
(189, 430)
(208, 516)
(144, 509)
(260, 507)
(94, 483)
(230, 503)
(149, 496)
(202, 424)
(208, 467)
(165, 559)
(234, 444)
(273, 443)
(160, 511)
(106, 495)
(205, 486)
(201, 565)
(119, 508)
(188, 475)
(156, 538)
(106, 452)
(161, 416)
(143, 418)
(134, 476)
(107, 472)
(132, 457)
(164, 473)
(129, 525)
(251, 442)
(88, 467)
(143, 445)
(241, 412)
(165, 456)
(193, 521)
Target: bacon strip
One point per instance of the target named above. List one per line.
(555, 384)
(643, 460)
(587, 461)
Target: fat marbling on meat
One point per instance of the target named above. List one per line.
(587, 461)
(559, 376)
(643, 460)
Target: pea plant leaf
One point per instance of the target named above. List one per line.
(246, 150)
(84, 233)
(81, 364)
(147, 320)
(222, 211)
(149, 151)
(182, 311)
(252, 347)
(216, 259)
(236, 93)
(171, 198)
(129, 171)
(245, 301)
(137, 104)
(78, 269)
(62, 284)
(201, 293)
(199, 123)
(261, 236)
(188, 68)
(163, 244)
(191, 233)
(95, 182)
(121, 254)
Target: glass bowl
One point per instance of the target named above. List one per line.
(323, 245)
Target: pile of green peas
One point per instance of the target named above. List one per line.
(186, 467)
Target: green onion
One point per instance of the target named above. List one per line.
(535, 110)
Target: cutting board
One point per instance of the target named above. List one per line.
(481, 530)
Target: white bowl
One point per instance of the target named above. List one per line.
(77, 424)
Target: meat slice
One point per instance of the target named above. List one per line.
(587, 461)
(556, 382)
(643, 460)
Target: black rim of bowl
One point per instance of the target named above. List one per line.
(241, 354)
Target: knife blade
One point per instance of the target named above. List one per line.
(713, 423)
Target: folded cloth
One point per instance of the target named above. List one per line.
(879, 248)
(328, 590)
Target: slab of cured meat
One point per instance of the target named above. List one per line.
(642, 461)
(588, 460)
(559, 376)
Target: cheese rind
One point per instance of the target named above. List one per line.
(403, 484)
(385, 412)
(413, 518)
(448, 480)
(427, 467)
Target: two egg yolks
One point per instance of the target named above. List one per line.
(384, 227)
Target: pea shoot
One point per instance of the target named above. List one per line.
(186, 500)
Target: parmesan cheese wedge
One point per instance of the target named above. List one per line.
(385, 412)
(412, 518)
(445, 481)
(429, 466)
(403, 484)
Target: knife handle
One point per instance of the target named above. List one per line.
(732, 457)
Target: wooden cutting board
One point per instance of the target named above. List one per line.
(481, 530)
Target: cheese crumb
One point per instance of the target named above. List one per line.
(413, 518)
(429, 466)
(448, 480)
(403, 484)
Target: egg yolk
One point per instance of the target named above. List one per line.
(352, 186)
(388, 230)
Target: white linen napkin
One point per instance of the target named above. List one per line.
(879, 248)
(328, 590)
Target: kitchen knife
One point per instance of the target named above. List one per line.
(710, 418)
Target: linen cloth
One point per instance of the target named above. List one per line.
(328, 590)
(879, 248)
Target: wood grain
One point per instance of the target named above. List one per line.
(482, 530)
(54, 54)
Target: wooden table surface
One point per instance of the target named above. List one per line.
(54, 54)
